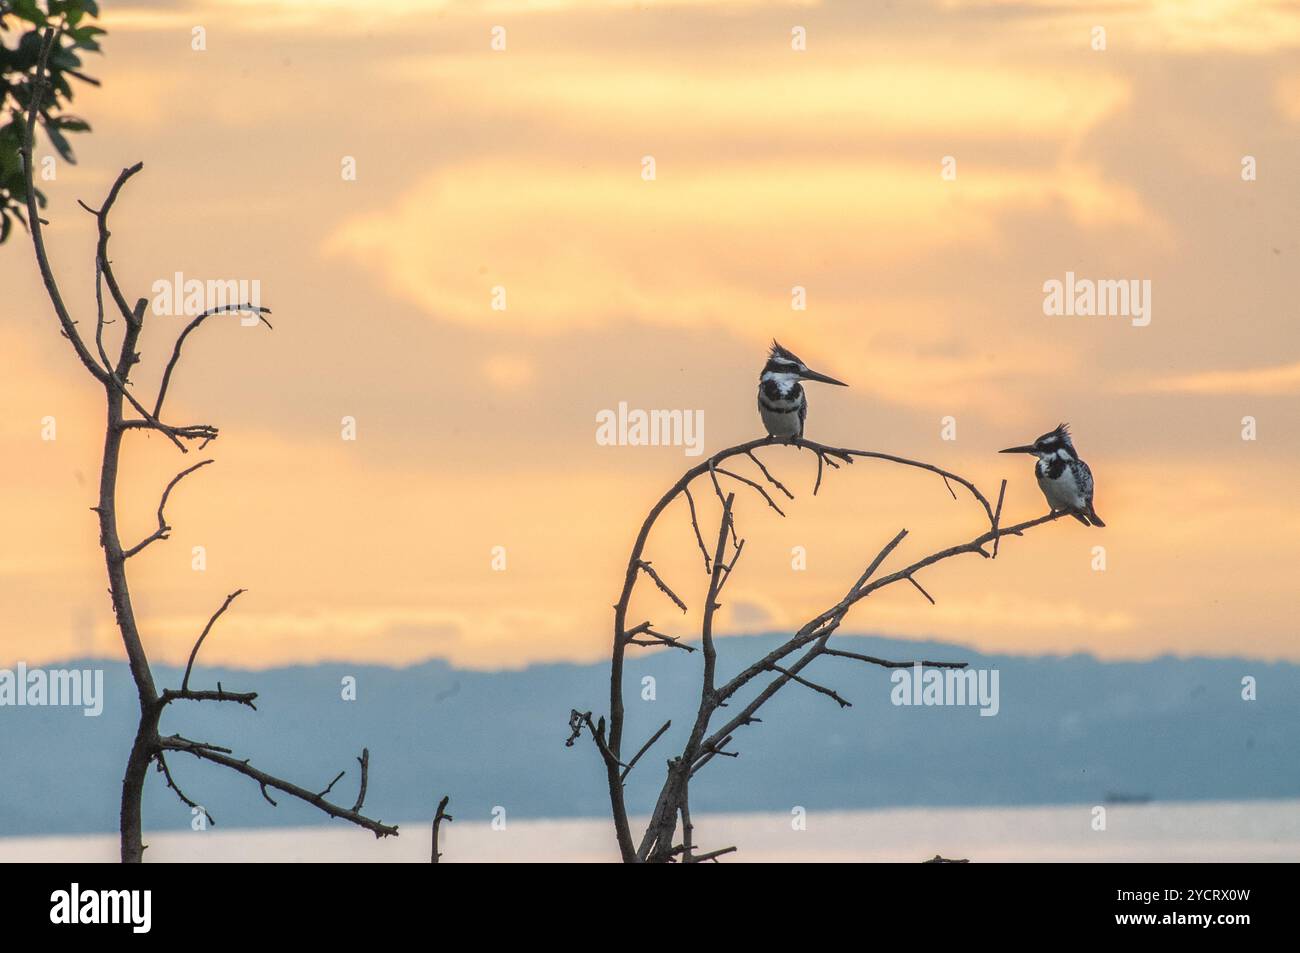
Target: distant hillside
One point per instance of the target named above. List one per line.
(1070, 730)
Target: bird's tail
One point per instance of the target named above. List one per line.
(1081, 518)
(1092, 515)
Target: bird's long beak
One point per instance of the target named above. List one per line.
(1028, 449)
(810, 375)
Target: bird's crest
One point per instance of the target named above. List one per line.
(778, 353)
(1060, 437)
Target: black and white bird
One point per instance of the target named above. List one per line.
(781, 401)
(1064, 479)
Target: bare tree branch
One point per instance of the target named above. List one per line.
(884, 663)
(180, 342)
(787, 661)
(830, 693)
(712, 855)
(171, 783)
(711, 604)
(655, 638)
(189, 667)
(646, 747)
(997, 516)
(163, 529)
(440, 816)
(364, 762)
(663, 586)
(695, 525)
(768, 476)
(330, 787)
(767, 497)
(113, 377)
(920, 589)
(208, 695)
(222, 757)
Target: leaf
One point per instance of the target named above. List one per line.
(10, 160)
(29, 11)
(28, 51)
(63, 58)
(71, 124)
(60, 143)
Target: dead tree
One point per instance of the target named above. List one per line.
(126, 414)
(784, 665)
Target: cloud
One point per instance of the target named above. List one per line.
(834, 97)
(1243, 26)
(820, 169)
(1281, 379)
(393, 16)
(1238, 26)
(576, 247)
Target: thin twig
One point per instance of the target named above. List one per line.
(713, 855)
(830, 693)
(330, 787)
(439, 816)
(180, 341)
(171, 783)
(663, 586)
(885, 663)
(645, 747)
(997, 515)
(695, 525)
(921, 589)
(364, 762)
(757, 487)
(770, 479)
(189, 667)
(163, 529)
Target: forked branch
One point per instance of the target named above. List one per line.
(225, 758)
(783, 665)
(113, 375)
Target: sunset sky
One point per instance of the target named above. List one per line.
(521, 168)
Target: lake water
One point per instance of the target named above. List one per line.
(1220, 831)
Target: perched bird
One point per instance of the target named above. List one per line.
(781, 400)
(1064, 479)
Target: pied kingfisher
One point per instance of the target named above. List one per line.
(781, 400)
(1064, 479)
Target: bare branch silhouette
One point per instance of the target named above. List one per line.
(149, 745)
(439, 816)
(783, 665)
(163, 529)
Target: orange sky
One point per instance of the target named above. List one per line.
(522, 169)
